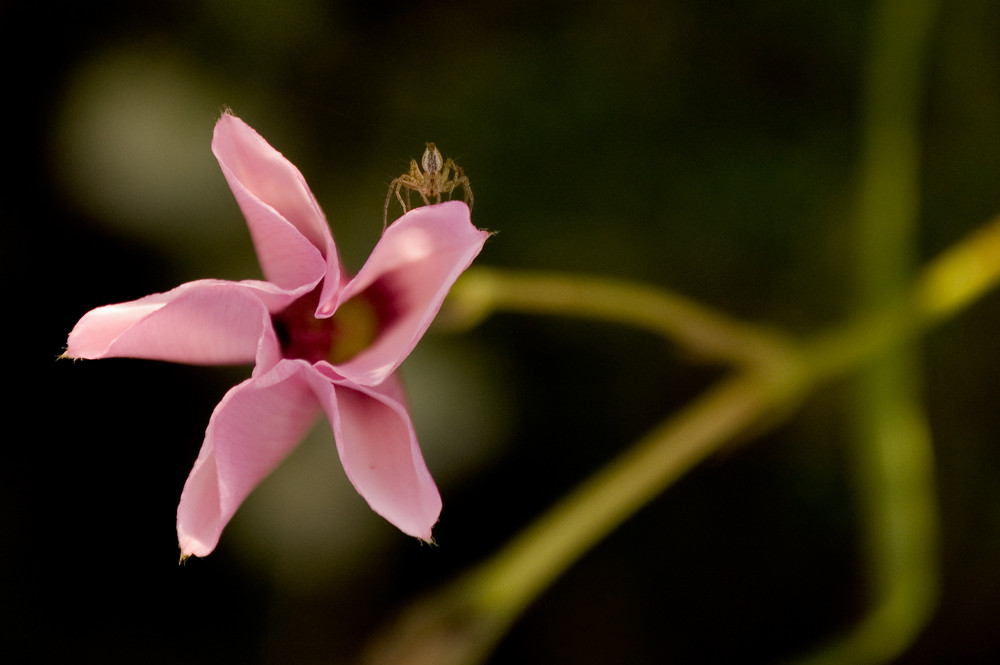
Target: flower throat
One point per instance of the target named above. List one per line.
(337, 339)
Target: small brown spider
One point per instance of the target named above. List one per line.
(440, 176)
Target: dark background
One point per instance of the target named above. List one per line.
(706, 147)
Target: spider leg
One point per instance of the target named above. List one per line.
(403, 181)
(463, 180)
(468, 192)
(445, 185)
(405, 205)
(393, 187)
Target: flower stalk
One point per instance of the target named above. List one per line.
(697, 329)
(461, 623)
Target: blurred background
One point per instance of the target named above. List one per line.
(708, 148)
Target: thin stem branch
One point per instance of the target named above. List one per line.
(693, 327)
(460, 624)
(450, 628)
(509, 581)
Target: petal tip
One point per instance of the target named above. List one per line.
(192, 547)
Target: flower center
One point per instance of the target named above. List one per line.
(351, 329)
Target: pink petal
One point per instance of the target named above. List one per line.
(380, 454)
(289, 231)
(210, 322)
(415, 263)
(255, 426)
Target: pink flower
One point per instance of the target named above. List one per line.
(319, 340)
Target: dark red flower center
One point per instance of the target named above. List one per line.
(351, 329)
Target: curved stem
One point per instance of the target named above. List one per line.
(451, 628)
(540, 553)
(695, 328)
(460, 624)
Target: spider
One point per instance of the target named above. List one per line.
(440, 176)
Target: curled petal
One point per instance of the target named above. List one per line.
(210, 322)
(379, 451)
(411, 269)
(289, 231)
(255, 426)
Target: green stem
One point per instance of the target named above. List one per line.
(893, 468)
(461, 623)
(509, 581)
(697, 329)
(942, 289)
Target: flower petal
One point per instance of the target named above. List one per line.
(380, 454)
(208, 322)
(289, 230)
(412, 267)
(255, 426)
